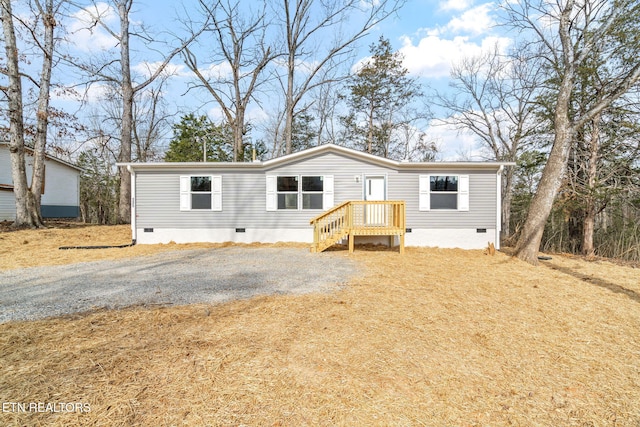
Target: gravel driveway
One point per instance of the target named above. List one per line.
(178, 277)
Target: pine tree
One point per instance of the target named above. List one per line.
(193, 134)
(379, 95)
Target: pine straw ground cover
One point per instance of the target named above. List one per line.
(31, 248)
(435, 337)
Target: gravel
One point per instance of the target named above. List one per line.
(177, 277)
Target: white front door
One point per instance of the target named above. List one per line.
(375, 189)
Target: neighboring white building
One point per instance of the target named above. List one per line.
(61, 195)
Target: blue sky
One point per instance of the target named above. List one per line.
(430, 34)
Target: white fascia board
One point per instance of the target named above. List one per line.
(330, 148)
(191, 165)
(456, 165)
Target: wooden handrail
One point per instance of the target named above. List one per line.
(359, 218)
(323, 214)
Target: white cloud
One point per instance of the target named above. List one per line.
(467, 34)
(217, 71)
(474, 21)
(147, 69)
(257, 115)
(454, 145)
(87, 34)
(214, 72)
(433, 56)
(455, 4)
(302, 66)
(215, 114)
(93, 93)
(97, 92)
(254, 115)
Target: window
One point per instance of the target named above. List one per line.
(201, 192)
(444, 192)
(287, 192)
(299, 192)
(312, 192)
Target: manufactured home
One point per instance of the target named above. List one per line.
(60, 192)
(321, 196)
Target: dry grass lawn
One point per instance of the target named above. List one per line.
(436, 338)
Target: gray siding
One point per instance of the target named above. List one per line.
(482, 201)
(158, 200)
(344, 170)
(5, 166)
(244, 198)
(7, 200)
(61, 196)
(7, 206)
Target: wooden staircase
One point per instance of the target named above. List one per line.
(359, 218)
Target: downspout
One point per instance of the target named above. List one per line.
(134, 228)
(498, 206)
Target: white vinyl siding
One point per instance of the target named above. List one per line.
(425, 193)
(187, 195)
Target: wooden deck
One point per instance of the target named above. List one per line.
(359, 218)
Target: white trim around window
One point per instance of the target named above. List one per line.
(299, 192)
(443, 192)
(201, 193)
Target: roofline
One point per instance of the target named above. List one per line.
(330, 147)
(400, 165)
(454, 165)
(49, 157)
(194, 165)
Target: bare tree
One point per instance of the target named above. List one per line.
(600, 167)
(41, 31)
(238, 42)
(493, 97)
(325, 109)
(321, 35)
(569, 31)
(151, 123)
(122, 76)
(151, 120)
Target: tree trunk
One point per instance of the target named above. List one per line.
(588, 228)
(529, 242)
(42, 115)
(238, 135)
(289, 107)
(507, 198)
(23, 197)
(370, 130)
(124, 202)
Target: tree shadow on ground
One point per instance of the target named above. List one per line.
(613, 287)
